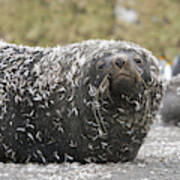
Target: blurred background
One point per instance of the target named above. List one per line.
(154, 24)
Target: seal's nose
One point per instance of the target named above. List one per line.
(120, 62)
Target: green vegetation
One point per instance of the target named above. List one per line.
(158, 29)
(52, 22)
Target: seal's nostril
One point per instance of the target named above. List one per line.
(120, 62)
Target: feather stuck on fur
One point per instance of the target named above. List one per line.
(92, 101)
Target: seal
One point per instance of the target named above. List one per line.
(176, 66)
(170, 110)
(92, 101)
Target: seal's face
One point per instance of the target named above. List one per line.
(127, 73)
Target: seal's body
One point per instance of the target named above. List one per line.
(170, 110)
(88, 102)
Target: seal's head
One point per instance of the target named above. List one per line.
(124, 73)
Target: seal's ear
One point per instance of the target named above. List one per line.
(151, 68)
(156, 87)
(154, 68)
(145, 68)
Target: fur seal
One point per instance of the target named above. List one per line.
(170, 110)
(176, 66)
(92, 101)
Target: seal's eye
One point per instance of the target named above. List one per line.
(101, 66)
(138, 60)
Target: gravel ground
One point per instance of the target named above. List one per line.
(158, 159)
